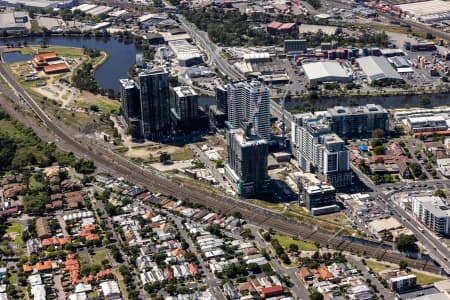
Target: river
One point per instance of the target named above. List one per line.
(121, 56)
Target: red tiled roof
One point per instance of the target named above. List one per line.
(272, 290)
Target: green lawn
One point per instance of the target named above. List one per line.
(278, 207)
(122, 286)
(185, 154)
(378, 267)
(285, 241)
(105, 105)
(12, 277)
(425, 278)
(16, 228)
(60, 50)
(98, 257)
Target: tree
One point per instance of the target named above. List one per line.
(84, 166)
(403, 265)
(164, 157)
(440, 193)
(219, 163)
(378, 133)
(133, 130)
(7, 152)
(94, 108)
(315, 295)
(379, 150)
(424, 101)
(406, 243)
(293, 247)
(416, 169)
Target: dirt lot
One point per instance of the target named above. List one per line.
(152, 151)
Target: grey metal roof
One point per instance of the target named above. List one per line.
(377, 68)
(324, 69)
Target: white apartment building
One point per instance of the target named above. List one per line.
(433, 212)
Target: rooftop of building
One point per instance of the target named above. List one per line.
(384, 224)
(246, 140)
(324, 69)
(153, 71)
(377, 68)
(438, 118)
(435, 205)
(356, 110)
(127, 83)
(184, 91)
(321, 188)
(10, 19)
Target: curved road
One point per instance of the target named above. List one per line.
(110, 162)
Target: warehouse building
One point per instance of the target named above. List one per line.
(328, 30)
(13, 22)
(41, 4)
(427, 11)
(99, 10)
(378, 70)
(326, 71)
(84, 7)
(294, 46)
(187, 54)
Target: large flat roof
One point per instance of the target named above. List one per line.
(377, 68)
(328, 30)
(435, 205)
(425, 8)
(385, 224)
(325, 69)
(356, 110)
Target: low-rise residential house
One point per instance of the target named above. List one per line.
(230, 291)
(110, 290)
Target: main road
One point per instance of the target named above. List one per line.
(438, 251)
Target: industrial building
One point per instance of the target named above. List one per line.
(154, 96)
(98, 10)
(378, 70)
(294, 46)
(433, 212)
(427, 11)
(14, 21)
(41, 4)
(247, 162)
(358, 121)
(275, 27)
(320, 151)
(249, 102)
(187, 54)
(325, 71)
(328, 30)
(151, 19)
